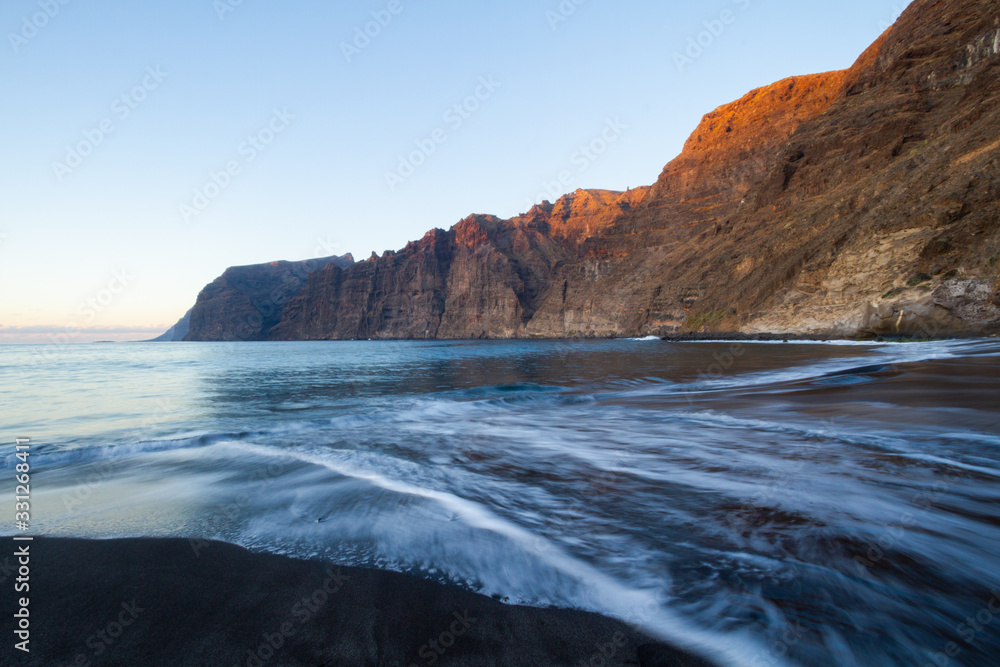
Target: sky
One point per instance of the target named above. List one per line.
(147, 146)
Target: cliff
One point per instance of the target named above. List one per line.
(483, 278)
(177, 332)
(245, 302)
(883, 212)
(645, 273)
(844, 203)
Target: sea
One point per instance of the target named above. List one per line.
(759, 503)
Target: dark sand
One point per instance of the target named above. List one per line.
(148, 602)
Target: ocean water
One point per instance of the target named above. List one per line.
(763, 504)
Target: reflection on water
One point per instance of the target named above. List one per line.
(785, 504)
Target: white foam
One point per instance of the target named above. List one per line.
(604, 593)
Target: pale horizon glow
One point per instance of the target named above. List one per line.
(124, 121)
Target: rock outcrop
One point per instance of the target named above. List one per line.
(847, 203)
(245, 302)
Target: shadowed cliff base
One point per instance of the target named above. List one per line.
(692, 336)
(858, 202)
(192, 602)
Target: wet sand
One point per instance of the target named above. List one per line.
(179, 602)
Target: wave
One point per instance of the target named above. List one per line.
(592, 589)
(713, 511)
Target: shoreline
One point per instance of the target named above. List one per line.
(721, 337)
(811, 338)
(156, 601)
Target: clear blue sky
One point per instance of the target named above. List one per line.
(181, 85)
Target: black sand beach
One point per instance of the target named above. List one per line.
(178, 602)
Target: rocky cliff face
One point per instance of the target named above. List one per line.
(871, 209)
(479, 279)
(836, 204)
(645, 273)
(177, 332)
(483, 278)
(884, 210)
(594, 263)
(245, 302)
